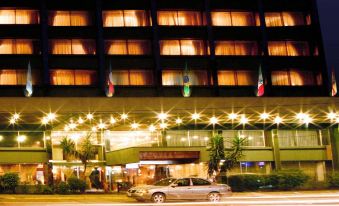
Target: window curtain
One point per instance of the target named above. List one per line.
(88, 47)
(172, 78)
(242, 19)
(168, 18)
(170, 47)
(277, 49)
(226, 78)
(27, 17)
(255, 138)
(19, 46)
(293, 19)
(302, 78)
(192, 47)
(80, 18)
(198, 78)
(140, 77)
(116, 47)
(7, 16)
(9, 77)
(138, 47)
(280, 78)
(224, 48)
(297, 48)
(113, 18)
(84, 77)
(59, 18)
(246, 78)
(221, 18)
(273, 19)
(239, 48)
(307, 138)
(189, 18)
(63, 46)
(62, 77)
(120, 77)
(287, 138)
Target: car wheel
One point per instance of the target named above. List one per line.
(158, 198)
(214, 197)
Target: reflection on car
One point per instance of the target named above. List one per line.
(180, 189)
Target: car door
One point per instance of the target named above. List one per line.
(180, 189)
(201, 188)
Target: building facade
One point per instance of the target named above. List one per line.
(154, 52)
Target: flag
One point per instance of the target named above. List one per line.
(334, 84)
(29, 85)
(186, 91)
(110, 84)
(261, 87)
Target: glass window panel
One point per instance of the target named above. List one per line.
(60, 18)
(116, 47)
(80, 18)
(273, 19)
(189, 18)
(113, 18)
(135, 18)
(172, 77)
(168, 18)
(192, 47)
(297, 48)
(228, 136)
(120, 77)
(9, 139)
(74, 46)
(190, 138)
(293, 19)
(226, 78)
(140, 77)
(17, 77)
(280, 78)
(221, 18)
(243, 19)
(32, 139)
(246, 78)
(277, 48)
(255, 138)
(307, 138)
(224, 48)
(62, 77)
(85, 77)
(238, 48)
(7, 16)
(139, 47)
(287, 138)
(301, 78)
(63, 46)
(26, 17)
(18, 46)
(170, 47)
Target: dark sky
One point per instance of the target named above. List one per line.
(329, 19)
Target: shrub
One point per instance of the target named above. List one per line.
(62, 188)
(10, 181)
(76, 185)
(47, 190)
(287, 179)
(333, 179)
(245, 182)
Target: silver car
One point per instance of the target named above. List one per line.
(180, 189)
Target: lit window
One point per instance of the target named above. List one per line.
(180, 18)
(182, 47)
(69, 18)
(18, 46)
(236, 78)
(126, 18)
(288, 48)
(128, 47)
(295, 77)
(19, 17)
(234, 18)
(275, 19)
(175, 77)
(73, 77)
(236, 48)
(16, 77)
(72, 46)
(132, 77)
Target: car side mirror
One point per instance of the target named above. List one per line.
(174, 185)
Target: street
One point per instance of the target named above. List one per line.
(249, 198)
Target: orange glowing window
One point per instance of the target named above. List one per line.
(236, 78)
(132, 77)
(236, 48)
(69, 18)
(275, 19)
(175, 77)
(234, 18)
(294, 77)
(16, 76)
(183, 47)
(18, 46)
(126, 18)
(180, 18)
(288, 48)
(73, 77)
(72, 46)
(128, 47)
(19, 16)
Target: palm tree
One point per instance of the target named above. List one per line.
(68, 148)
(86, 151)
(220, 163)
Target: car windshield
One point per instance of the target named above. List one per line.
(165, 182)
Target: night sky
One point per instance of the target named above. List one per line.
(329, 19)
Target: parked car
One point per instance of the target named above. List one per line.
(180, 189)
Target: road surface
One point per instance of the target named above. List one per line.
(255, 198)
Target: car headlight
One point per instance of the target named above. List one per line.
(143, 191)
